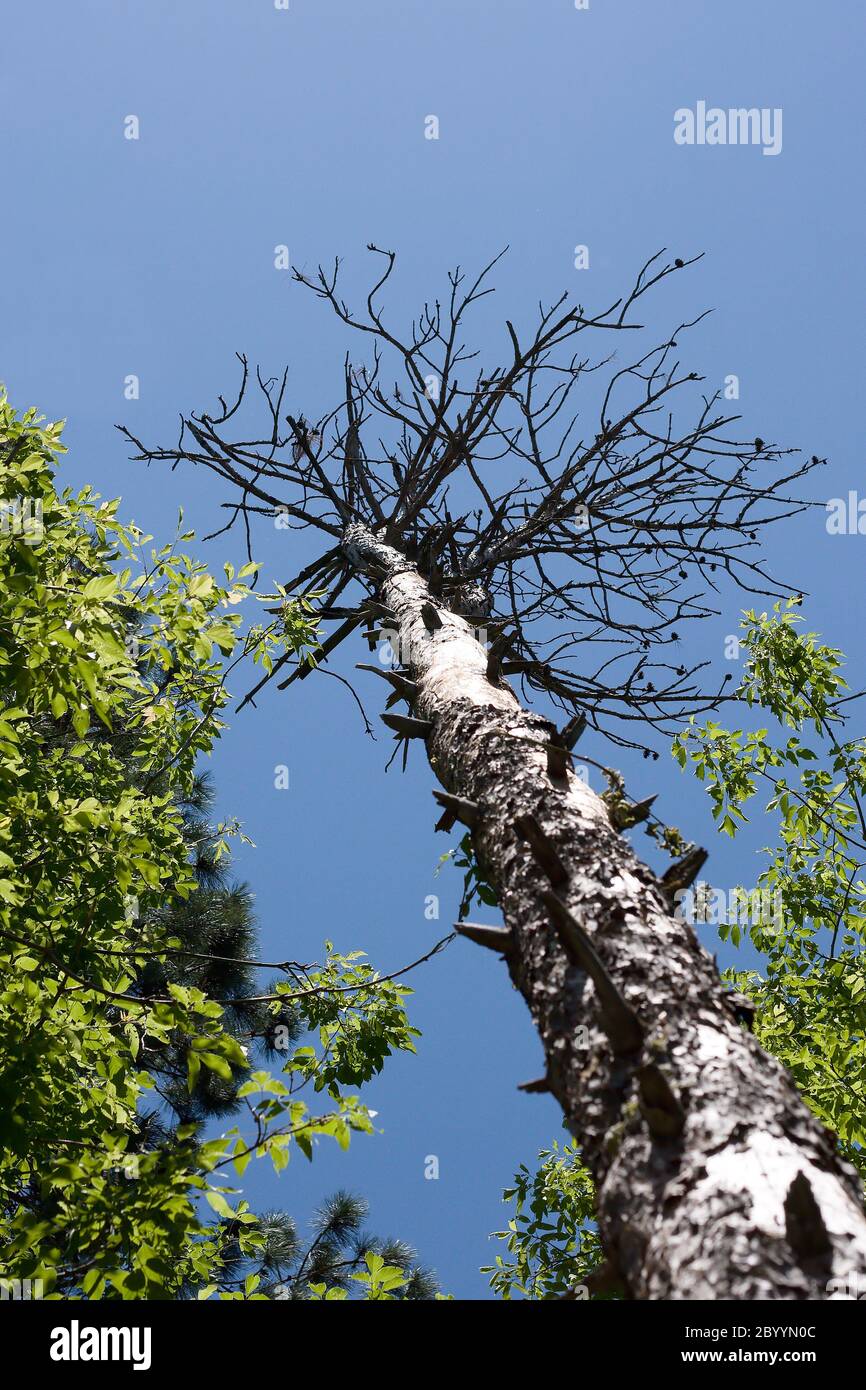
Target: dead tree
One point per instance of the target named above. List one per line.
(494, 532)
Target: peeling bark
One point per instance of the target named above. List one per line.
(714, 1180)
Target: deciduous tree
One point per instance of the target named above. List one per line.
(123, 981)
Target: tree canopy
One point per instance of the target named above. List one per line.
(128, 1013)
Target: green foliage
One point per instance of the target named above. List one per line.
(359, 1017)
(551, 1240)
(112, 679)
(811, 994)
(462, 856)
(340, 1260)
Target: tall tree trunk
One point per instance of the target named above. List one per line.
(714, 1181)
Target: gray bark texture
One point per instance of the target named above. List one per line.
(714, 1181)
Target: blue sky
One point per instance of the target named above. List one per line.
(306, 127)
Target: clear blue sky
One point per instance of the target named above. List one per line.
(306, 127)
